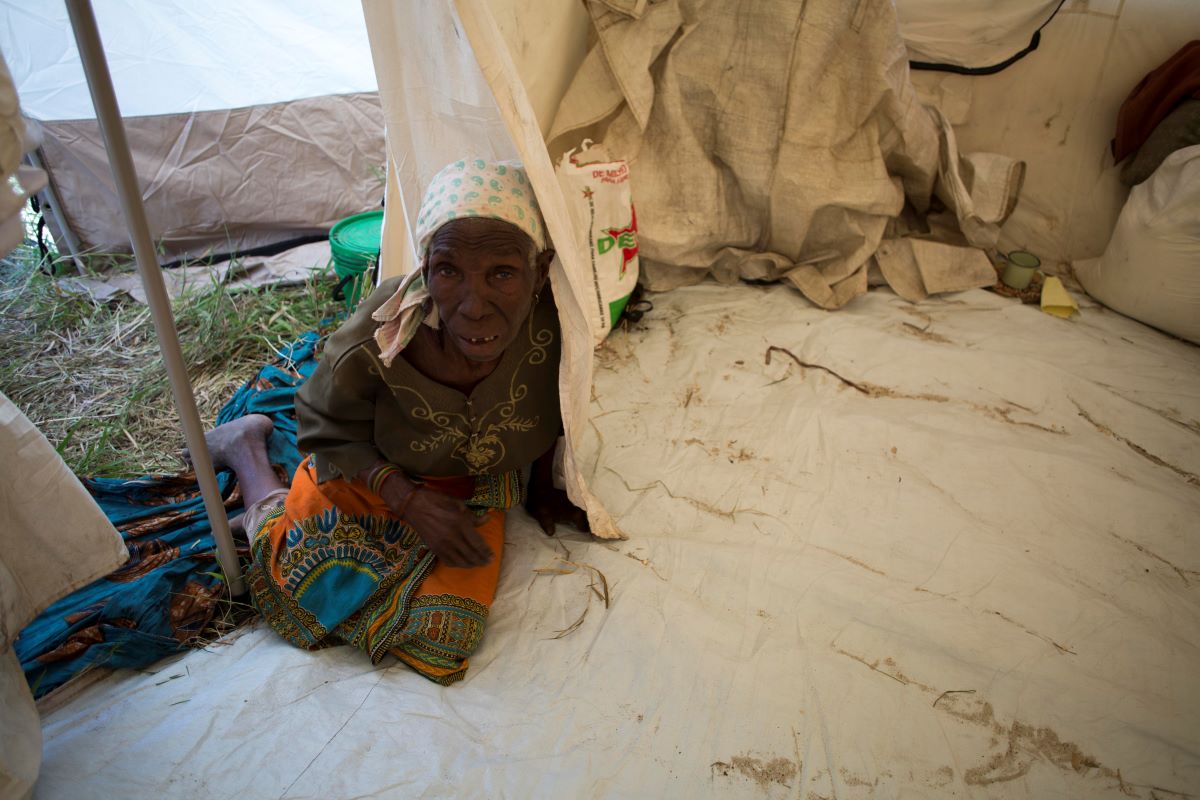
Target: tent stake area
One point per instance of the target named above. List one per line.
(87, 36)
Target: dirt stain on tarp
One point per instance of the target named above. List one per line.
(722, 324)
(850, 779)
(924, 333)
(875, 391)
(943, 777)
(1135, 447)
(1024, 745)
(1004, 414)
(851, 559)
(732, 452)
(1180, 571)
(764, 773)
(1059, 647)
(887, 667)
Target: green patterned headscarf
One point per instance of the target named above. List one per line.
(468, 188)
(474, 187)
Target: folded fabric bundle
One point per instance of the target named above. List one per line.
(779, 141)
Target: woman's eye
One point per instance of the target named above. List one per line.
(504, 273)
(447, 271)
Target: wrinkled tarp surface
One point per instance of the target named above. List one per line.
(975, 575)
(971, 35)
(164, 595)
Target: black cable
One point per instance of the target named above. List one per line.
(994, 68)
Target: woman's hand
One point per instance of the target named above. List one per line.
(549, 505)
(444, 523)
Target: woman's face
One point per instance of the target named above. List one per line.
(482, 274)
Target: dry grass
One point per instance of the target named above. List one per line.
(598, 582)
(90, 375)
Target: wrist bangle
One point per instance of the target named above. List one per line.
(375, 482)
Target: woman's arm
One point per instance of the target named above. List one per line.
(549, 505)
(335, 413)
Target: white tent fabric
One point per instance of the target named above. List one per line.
(934, 550)
(181, 58)
(1056, 110)
(973, 576)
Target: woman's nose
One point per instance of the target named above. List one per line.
(474, 304)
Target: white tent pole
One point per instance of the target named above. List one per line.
(95, 66)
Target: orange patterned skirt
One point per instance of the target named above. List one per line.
(333, 565)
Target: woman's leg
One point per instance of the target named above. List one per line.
(241, 445)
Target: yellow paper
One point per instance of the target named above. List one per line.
(1057, 300)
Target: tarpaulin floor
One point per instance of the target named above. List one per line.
(955, 556)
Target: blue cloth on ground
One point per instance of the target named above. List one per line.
(166, 594)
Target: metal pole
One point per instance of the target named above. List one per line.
(69, 242)
(95, 66)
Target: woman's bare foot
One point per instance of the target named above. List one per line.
(241, 445)
(238, 440)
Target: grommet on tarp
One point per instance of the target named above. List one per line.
(1019, 269)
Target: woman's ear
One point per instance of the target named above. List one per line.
(542, 265)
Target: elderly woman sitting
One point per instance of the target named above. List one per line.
(425, 408)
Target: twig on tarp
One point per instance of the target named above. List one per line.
(597, 586)
(805, 365)
(952, 691)
(570, 567)
(574, 626)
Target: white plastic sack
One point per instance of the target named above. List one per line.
(1151, 269)
(600, 203)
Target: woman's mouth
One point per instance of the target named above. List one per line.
(478, 340)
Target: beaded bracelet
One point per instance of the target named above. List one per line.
(375, 482)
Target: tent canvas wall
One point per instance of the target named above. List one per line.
(248, 101)
(1089, 57)
(839, 599)
(249, 123)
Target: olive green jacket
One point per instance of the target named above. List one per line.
(354, 410)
